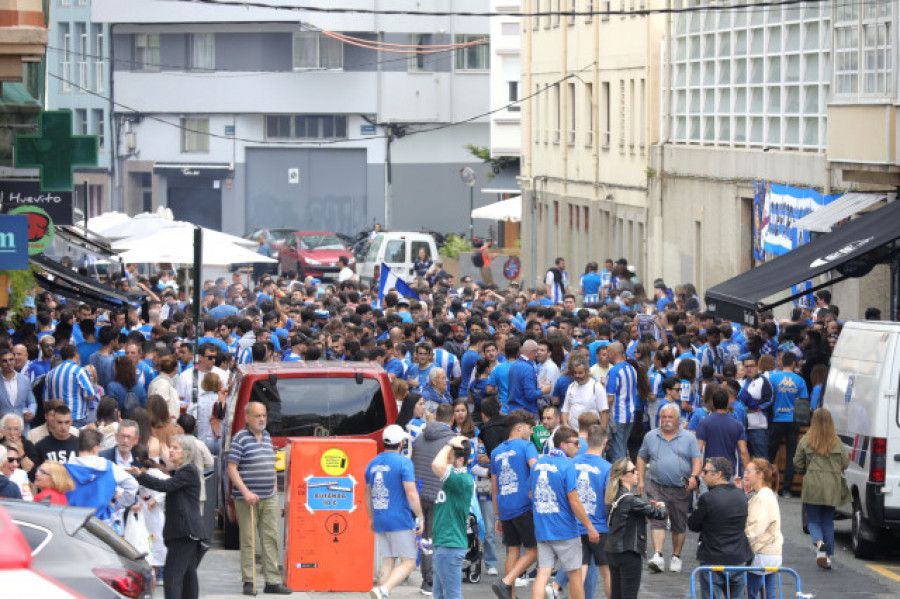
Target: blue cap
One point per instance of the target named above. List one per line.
(29, 301)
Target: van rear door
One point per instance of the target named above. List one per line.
(892, 459)
(396, 256)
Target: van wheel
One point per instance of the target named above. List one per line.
(862, 548)
(232, 535)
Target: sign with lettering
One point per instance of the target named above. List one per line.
(16, 194)
(13, 242)
(330, 493)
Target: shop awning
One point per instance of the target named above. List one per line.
(70, 284)
(510, 210)
(822, 219)
(852, 251)
(504, 182)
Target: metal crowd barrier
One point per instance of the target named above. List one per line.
(703, 578)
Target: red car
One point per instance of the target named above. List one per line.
(314, 399)
(314, 253)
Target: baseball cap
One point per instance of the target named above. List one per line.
(627, 294)
(394, 435)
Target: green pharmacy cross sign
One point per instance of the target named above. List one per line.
(55, 151)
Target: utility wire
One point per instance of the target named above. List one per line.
(324, 142)
(248, 4)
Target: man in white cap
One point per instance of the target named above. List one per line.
(392, 501)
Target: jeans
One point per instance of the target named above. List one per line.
(447, 572)
(787, 432)
(820, 519)
(618, 440)
(755, 581)
(426, 559)
(724, 587)
(758, 442)
(625, 574)
(266, 520)
(590, 581)
(489, 548)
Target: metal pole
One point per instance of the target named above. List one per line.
(471, 207)
(198, 261)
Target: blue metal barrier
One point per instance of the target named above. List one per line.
(729, 582)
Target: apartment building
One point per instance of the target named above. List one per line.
(587, 130)
(78, 66)
(238, 118)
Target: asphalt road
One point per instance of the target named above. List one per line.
(879, 579)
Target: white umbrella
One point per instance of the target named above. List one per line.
(176, 245)
(139, 226)
(107, 220)
(510, 210)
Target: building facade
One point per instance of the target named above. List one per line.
(591, 118)
(78, 80)
(239, 119)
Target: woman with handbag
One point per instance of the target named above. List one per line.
(183, 531)
(626, 542)
(822, 455)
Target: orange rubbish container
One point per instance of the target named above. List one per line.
(328, 544)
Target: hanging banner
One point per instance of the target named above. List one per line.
(759, 206)
(17, 194)
(784, 206)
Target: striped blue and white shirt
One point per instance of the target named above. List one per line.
(70, 383)
(621, 386)
(246, 356)
(447, 362)
(255, 462)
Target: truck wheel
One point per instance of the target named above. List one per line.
(862, 548)
(232, 536)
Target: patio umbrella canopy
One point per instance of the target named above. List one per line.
(176, 245)
(510, 210)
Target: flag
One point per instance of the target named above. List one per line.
(389, 280)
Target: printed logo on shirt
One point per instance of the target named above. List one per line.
(586, 493)
(545, 501)
(508, 480)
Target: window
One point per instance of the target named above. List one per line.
(195, 135)
(573, 6)
(877, 39)
(202, 51)
(607, 116)
(329, 406)
(415, 246)
(513, 95)
(83, 51)
(315, 51)
(306, 126)
(536, 21)
(66, 56)
(146, 51)
(98, 126)
(570, 105)
(99, 43)
(590, 121)
(535, 104)
(475, 57)
(417, 62)
(395, 251)
(81, 121)
(589, 8)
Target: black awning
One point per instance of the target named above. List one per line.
(61, 287)
(69, 283)
(852, 250)
(86, 239)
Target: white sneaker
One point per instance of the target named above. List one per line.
(675, 564)
(492, 572)
(378, 593)
(550, 592)
(522, 581)
(657, 563)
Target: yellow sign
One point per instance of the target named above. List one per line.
(335, 462)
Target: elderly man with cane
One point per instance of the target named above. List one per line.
(251, 469)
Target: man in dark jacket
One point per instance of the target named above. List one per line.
(494, 430)
(720, 518)
(434, 436)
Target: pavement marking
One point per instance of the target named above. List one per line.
(892, 572)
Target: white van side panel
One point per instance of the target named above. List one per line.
(861, 393)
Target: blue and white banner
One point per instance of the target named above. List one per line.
(388, 281)
(783, 207)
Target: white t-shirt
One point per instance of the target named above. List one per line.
(346, 274)
(184, 383)
(589, 397)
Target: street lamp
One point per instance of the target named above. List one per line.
(467, 174)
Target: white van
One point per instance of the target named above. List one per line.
(861, 393)
(397, 249)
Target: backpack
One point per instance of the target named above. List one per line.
(478, 259)
(132, 401)
(802, 411)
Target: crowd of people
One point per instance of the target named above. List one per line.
(563, 417)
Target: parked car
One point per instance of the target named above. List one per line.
(314, 253)
(399, 250)
(310, 399)
(17, 577)
(70, 545)
(274, 237)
